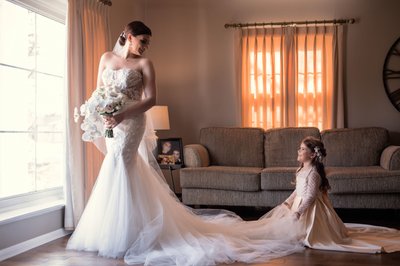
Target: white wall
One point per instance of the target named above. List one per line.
(193, 56)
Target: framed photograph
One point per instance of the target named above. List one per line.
(170, 151)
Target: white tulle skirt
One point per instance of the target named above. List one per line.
(132, 214)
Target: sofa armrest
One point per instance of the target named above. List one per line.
(390, 158)
(196, 155)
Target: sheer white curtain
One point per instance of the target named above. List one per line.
(292, 76)
(88, 38)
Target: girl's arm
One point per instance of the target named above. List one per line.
(313, 183)
(289, 201)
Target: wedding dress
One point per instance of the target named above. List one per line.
(319, 226)
(132, 213)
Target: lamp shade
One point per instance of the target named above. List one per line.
(160, 117)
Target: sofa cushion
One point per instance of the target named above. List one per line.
(281, 145)
(354, 147)
(278, 178)
(390, 158)
(371, 179)
(222, 177)
(234, 146)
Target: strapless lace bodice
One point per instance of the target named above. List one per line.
(128, 80)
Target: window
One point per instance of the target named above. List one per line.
(32, 101)
(312, 79)
(265, 84)
(288, 77)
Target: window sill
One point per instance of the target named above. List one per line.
(32, 211)
(29, 205)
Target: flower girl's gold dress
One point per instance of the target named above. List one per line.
(321, 228)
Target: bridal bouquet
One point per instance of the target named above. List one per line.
(104, 101)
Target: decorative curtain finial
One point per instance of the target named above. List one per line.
(106, 2)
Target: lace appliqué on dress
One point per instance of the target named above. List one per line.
(130, 81)
(127, 135)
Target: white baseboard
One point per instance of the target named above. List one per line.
(31, 243)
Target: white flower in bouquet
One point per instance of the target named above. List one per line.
(104, 101)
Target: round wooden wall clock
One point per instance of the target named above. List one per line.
(391, 74)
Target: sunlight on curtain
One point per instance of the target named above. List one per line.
(88, 38)
(291, 77)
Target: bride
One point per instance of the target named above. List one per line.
(131, 212)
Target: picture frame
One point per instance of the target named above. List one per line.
(170, 152)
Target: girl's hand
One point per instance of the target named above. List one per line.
(296, 216)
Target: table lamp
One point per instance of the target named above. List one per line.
(160, 117)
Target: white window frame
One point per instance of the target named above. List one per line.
(53, 9)
(34, 203)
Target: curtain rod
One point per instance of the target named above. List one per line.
(290, 23)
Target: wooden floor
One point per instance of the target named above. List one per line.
(54, 253)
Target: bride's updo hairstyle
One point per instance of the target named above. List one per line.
(135, 28)
(316, 146)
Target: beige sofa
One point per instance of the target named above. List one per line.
(253, 167)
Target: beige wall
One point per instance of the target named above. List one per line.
(124, 11)
(193, 55)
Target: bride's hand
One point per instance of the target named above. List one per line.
(113, 121)
(108, 121)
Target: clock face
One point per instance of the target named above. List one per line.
(391, 74)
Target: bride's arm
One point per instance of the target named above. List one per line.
(104, 58)
(149, 83)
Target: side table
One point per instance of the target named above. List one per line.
(171, 168)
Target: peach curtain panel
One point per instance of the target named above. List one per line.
(88, 37)
(292, 76)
